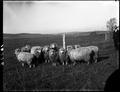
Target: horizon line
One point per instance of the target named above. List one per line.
(60, 33)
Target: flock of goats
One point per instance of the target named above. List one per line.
(32, 56)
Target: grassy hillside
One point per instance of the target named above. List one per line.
(48, 77)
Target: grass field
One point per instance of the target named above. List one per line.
(48, 77)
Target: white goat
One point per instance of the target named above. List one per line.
(24, 57)
(79, 54)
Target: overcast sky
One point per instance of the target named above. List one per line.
(57, 16)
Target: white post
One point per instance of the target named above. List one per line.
(64, 40)
(106, 34)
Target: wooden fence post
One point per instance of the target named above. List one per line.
(64, 40)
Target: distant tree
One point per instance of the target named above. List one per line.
(113, 29)
(111, 25)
